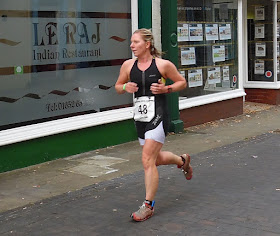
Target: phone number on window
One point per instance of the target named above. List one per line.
(63, 105)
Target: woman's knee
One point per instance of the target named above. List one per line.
(150, 152)
(147, 161)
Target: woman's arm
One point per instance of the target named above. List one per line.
(168, 70)
(123, 85)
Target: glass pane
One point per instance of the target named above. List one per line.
(260, 40)
(208, 49)
(61, 58)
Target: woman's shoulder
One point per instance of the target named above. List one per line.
(161, 61)
(163, 64)
(128, 64)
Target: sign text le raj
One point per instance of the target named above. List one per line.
(73, 34)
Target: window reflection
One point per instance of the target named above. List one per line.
(61, 58)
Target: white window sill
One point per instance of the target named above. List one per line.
(211, 98)
(85, 121)
(262, 85)
(63, 125)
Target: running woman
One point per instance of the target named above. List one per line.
(145, 76)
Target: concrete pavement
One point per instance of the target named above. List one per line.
(234, 191)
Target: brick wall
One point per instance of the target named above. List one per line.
(210, 112)
(267, 96)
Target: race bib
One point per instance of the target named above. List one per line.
(144, 108)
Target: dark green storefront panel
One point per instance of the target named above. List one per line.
(40, 150)
(170, 49)
(145, 14)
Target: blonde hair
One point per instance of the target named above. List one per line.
(147, 36)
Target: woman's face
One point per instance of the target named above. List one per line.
(138, 45)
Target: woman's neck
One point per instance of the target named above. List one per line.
(145, 59)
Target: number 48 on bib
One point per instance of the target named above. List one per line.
(144, 108)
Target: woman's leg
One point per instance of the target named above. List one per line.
(150, 153)
(183, 162)
(168, 158)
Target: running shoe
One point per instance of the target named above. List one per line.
(145, 212)
(186, 167)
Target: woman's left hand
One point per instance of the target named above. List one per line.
(158, 88)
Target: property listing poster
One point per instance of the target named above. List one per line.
(226, 73)
(225, 80)
(182, 72)
(259, 67)
(219, 53)
(212, 31)
(183, 32)
(188, 56)
(260, 49)
(259, 31)
(195, 78)
(214, 75)
(225, 31)
(259, 13)
(195, 32)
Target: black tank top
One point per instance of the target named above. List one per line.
(144, 79)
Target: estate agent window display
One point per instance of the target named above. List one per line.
(208, 48)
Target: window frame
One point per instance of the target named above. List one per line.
(263, 84)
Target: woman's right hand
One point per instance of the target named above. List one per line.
(131, 87)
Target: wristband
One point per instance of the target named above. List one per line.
(124, 86)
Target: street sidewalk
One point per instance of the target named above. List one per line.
(235, 189)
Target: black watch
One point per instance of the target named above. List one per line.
(169, 89)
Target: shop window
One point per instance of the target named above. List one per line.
(260, 41)
(61, 58)
(207, 46)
